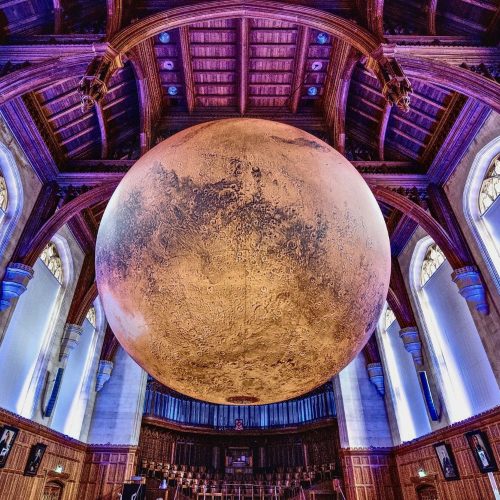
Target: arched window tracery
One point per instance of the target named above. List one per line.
(91, 317)
(481, 203)
(434, 257)
(4, 194)
(389, 318)
(490, 187)
(50, 257)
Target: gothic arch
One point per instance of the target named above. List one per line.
(487, 247)
(13, 181)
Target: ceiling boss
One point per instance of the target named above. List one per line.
(243, 261)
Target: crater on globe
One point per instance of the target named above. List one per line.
(242, 261)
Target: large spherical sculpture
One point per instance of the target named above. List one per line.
(242, 261)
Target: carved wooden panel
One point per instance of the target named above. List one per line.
(61, 450)
(421, 454)
(105, 469)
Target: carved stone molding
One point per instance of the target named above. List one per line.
(103, 373)
(412, 343)
(376, 376)
(471, 287)
(69, 341)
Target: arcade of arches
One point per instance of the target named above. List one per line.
(408, 92)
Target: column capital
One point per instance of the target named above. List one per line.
(376, 376)
(471, 287)
(70, 339)
(14, 283)
(412, 343)
(103, 373)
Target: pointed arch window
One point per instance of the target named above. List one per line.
(490, 187)
(50, 257)
(4, 195)
(434, 257)
(91, 317)
(389, 318)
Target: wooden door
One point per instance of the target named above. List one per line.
(52, 491)
(427, 493)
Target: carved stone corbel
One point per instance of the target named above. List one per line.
(94, 84)
(395, 86)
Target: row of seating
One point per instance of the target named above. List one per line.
(193, 481)
(152, 468)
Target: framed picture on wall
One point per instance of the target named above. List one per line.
(481, 449)
(8, 436)
(34, 459)
(447, 461)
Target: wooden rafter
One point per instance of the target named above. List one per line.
(103, 127)
(375, 17)
(146, 71)
(244, 42)
(114, 16)
(382, 129)
(58, 16)
(442, 127)
(300, 67)
(187, 67)
(431, 8)
(455, 139)
(340, 68)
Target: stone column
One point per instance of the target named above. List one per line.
(14, 284)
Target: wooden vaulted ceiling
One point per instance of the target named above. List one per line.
(242, 66)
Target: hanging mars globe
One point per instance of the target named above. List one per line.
(242, 261)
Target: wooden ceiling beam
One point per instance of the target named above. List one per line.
(243, 61)
(299, 70)
(431, 8)
(149, 89)
(58, 16)
(382, 129)
(338, 79)
(187, 67)
(375, 17)
(491, 34)
(114, 16)
(452, 137)
(103, 128)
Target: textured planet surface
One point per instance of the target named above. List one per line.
(242, 261)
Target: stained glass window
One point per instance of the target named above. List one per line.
(91, 317)
(50, 257)
(434, 257)
(389, 318)
(4, 197)
(490, 188)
